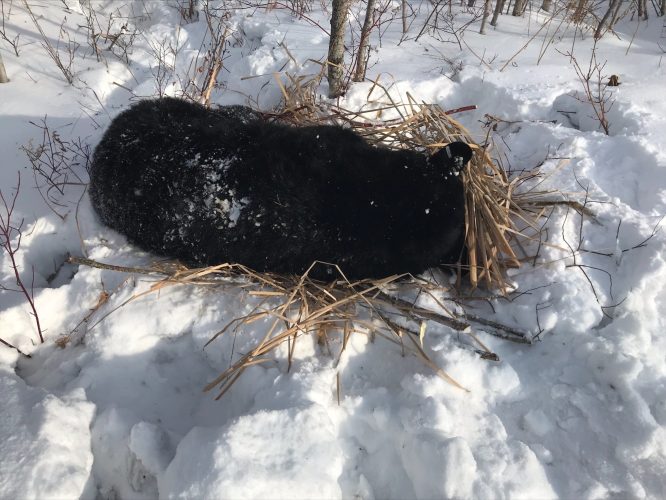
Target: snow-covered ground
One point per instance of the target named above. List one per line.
(120, 413)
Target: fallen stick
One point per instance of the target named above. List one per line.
(82, 261)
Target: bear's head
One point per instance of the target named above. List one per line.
(451, 158)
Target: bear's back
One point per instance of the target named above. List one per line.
(222, 185)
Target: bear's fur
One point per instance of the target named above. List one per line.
(221, 185)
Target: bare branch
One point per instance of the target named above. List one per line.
(10, 242)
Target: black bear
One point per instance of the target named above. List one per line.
(223, 185)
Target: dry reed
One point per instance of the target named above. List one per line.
(299, 305)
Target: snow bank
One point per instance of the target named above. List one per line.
(278, 454)
(45, 442)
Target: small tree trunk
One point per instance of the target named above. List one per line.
(546, 5)
(616, 13)
(404, 17)
(486, 13)
(336, 48)
(362, 56)
(612, 6)
(663, 7)
(498, 11)
(3, 73)
(470, 3)
(518, 8)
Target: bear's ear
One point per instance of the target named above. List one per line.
(453, 157)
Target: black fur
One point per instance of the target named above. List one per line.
(222, 185)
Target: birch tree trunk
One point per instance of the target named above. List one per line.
(546, 5)
(3, 73)
(362, 56)
(486, 13)
(336, 48)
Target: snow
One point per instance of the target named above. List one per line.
(291, 453)
(119, 412)
(45, 441)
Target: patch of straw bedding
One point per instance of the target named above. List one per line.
(331, 311)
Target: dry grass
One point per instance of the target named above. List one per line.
(333, 311)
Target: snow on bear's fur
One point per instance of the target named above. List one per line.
(222, 185)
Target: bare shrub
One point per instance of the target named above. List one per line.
(63, 53)
(202, 73)
(94, 30)
(299, 8)
(163, 70)
(595, 87)
(13, 42)
(112, 31)
(442, 24)
(56, 165)
(378, 17)
(10, 241)
(602, 17)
